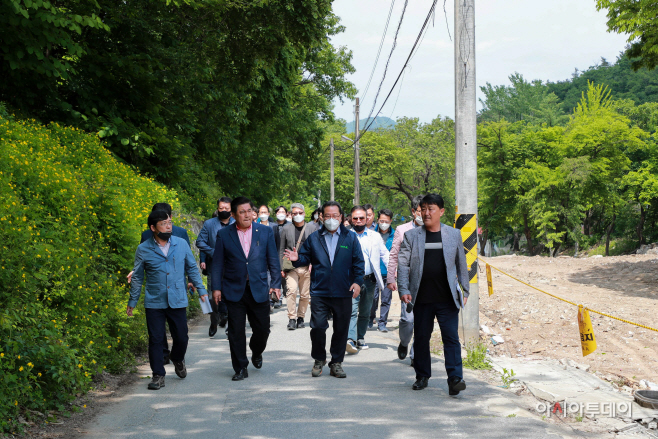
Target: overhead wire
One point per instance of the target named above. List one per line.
(395, 43)
(379, 51)
(413, 49)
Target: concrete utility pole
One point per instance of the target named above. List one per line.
(466, 157)
(332, 194)
(357, 162)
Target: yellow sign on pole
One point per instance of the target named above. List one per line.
(489, 281)
(587, 340)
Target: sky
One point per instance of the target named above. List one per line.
(541, 40)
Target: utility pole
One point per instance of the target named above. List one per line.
(466, 158)
(357, 163)
(332, 194)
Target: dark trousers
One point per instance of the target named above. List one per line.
(259, 320)
(386, 296)
(447, 314)
(321, 309)
(155, 323)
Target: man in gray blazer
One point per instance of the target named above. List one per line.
(433, 278)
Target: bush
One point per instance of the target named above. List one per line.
(71, 216)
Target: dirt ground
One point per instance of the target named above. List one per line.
(535, 324)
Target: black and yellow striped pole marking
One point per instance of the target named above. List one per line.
(468, 225)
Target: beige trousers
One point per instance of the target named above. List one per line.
(298, 281)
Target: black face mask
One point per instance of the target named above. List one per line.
(359, 228)
(164, 235)
(223, 215)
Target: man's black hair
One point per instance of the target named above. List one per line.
(416, 202)
(266, 206)
(331, 203)
(239, 201)
(224, 200)
(162, 206)
(156, 216)
(214, 214)
(435, 199)
(358, 207)
(281, 207)
(369, 206)
(386, 212)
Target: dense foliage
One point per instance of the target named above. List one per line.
(569, 179)
(70, 219)
(396, 164)
(210, 97)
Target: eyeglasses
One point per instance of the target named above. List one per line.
(358, 218)
(336, 216)
(165, 223)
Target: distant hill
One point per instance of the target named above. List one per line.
(380, 122)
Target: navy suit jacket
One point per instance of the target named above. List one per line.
(230, 266)
(348, 267)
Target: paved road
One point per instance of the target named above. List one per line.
(282, 400)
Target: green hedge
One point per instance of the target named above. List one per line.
(70, 219)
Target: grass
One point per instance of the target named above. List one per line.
(476, 357)
(621, 246)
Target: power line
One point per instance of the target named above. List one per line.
(406, 63)
(395, 43)
(381, 44)
(416, 43)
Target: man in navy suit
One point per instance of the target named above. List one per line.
(244, 254)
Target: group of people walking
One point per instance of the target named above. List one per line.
(342, 266)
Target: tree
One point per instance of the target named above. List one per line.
(636, 18)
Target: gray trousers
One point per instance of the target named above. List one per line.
(406, 327)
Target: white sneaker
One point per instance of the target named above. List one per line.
(351, 347)
(361, 344)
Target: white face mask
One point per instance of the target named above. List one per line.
(384, 226)
(331, 224)
(315, 217)
(419, 220)
(263, 216)
(298, 218)
(280, 216)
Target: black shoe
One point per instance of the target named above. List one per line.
(179, 368)
(300, 322)
(223, 319)
(241, 375)
(166, 358)
(455, 385)
(420, 383)
(277, 305)
(292, 324)
(402, 351)
(257, 361)
(212, 330)
(157, 382)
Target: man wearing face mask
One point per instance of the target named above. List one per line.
(337, 260)
(374, 253)
(281, 220)
(406, 329)
(206, 244)
(164, 261)
(386, 232)
(298, 279)
(265, 220)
